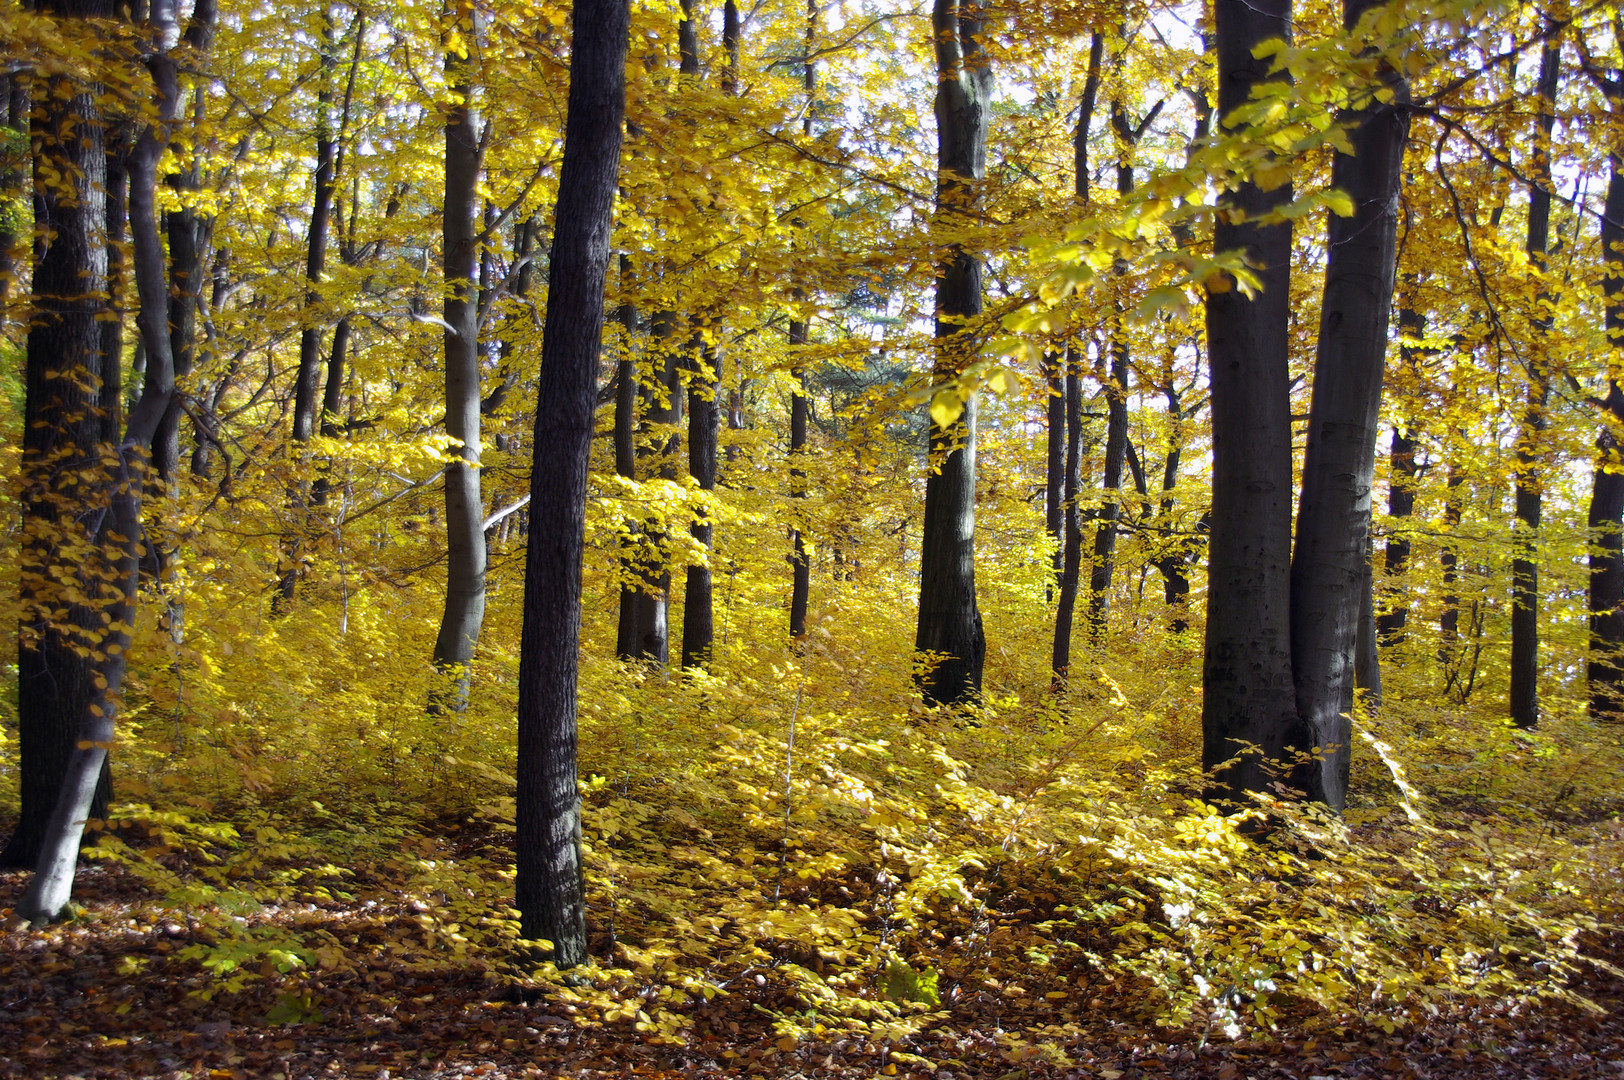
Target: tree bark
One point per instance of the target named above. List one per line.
(626, 647)
(1524, 695)
(14, 99)
(949, 620)
(117, 486)
(1395, 615)
(1072, 553)
(1605, 671)
(464, 613)
(1069, 555)
(1249, 713)
(1330, 569)
(63, 413)
(698, 616)
(550, 892)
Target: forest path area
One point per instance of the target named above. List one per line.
(108, 995)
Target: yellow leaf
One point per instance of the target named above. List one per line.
(946, 406)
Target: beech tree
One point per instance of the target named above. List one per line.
(949, 621)
(551, 901)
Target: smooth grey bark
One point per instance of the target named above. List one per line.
(464, 613)
(114, 546)
(1249, 712)
(698, 616)
(1330, 570)
(949, 620)
(550, 894)
(1530, 486)
(63, 412)
(1605, 671)
(1367, 668)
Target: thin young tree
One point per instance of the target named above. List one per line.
(550, 893)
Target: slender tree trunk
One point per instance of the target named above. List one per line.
(1069, 555)
(801, 567)
(949, 620)
(626, 647)
(1246, 669)
(307, 380)
(1529, 483)
(63, 411)
(1606, 668)
(1072, 553)
(1391, 622)
(551, 898)
(113, 558)
(464, 613)
(698, 617)
(1330, 567)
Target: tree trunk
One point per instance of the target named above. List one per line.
(1072, 554)
(949, 620)
(1606, 668)
(698, 618)
(1400, 504)
(1069, 555)
(551, 898)
(801, 567)
(464, 613)
(626, 467)
(307, 380)
(1249, 713)
(117, 485)
(1524, 696)
(63, 412)
(1330, 567)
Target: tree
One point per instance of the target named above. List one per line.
(1248, 712)
(949, 621)
(108, 554)
(549, 887)
(460, 239)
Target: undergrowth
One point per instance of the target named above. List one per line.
(801, 819)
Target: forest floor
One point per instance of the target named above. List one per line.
(105, 995)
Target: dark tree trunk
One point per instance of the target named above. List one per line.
(698, 617)
(116, 484)
(1367, 668)
(1449, 565)
(1069, 555)
(626, 466)
(464, 613)
(1400, 504)
(63, 411)
(1330, 568)
(551, 897)
(1606, 668)
(1072, 553)
(799, 336)
(1249, 713)
(1054, 466)
(949, 620)
(1530, 485)
(801, 568)
(307, 379)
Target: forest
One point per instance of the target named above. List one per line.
(844, 538)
